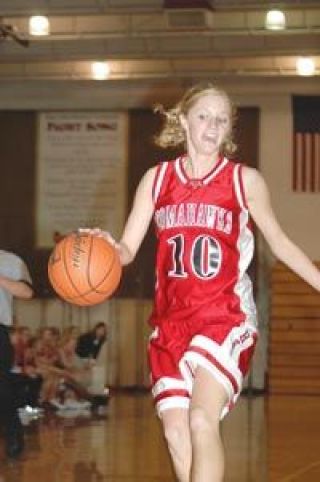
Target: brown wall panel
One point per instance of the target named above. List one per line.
(17, 181)
(294, 355)
(17, 192)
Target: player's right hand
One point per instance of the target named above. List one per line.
(100, 233)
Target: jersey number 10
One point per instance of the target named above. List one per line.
(205, 256)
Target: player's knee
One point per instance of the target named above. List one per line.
(201, 421)
(175, 435)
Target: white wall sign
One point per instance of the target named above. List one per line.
(81, 172)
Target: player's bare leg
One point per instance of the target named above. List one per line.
(175, 423)
(208, 400)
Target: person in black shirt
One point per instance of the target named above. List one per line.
(90, 343)
(88, 348)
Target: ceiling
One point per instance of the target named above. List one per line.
(144, 40)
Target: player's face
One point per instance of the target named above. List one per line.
(100, 332)
(207, 124)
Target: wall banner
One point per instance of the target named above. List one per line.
(81, 173)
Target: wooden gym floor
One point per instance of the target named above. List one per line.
(272, 439)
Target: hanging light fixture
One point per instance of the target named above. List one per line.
(305, 66)
(275, 20)
(100, 70)
(39, 25)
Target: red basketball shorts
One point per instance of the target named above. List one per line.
(176, 349)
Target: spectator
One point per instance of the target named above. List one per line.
(47, 360)
(27, 379)
(73, 366)
(15, 282)
(90, 343)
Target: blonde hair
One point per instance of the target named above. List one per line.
(172, 133)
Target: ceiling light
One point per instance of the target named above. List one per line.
(39, 25)
(305, 66)
(100, 70)
(275, 20)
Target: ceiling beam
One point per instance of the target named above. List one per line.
(264, 66)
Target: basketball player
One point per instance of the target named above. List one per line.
(204, 317)
(15, 282)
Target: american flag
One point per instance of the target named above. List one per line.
(306, 144)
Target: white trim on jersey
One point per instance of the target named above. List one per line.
(159, 180)
(237, 185)
(205, 180)
(245, 246)
(154, 334)
(243, 287)
(216, 172)
(165, 384)
(179, 171)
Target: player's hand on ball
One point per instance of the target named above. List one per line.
(101, 234)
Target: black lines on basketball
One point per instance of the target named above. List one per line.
(105, 276)
(66, 259)
(89, 270)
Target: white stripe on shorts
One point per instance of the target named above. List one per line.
(165, 384)
(172, 402)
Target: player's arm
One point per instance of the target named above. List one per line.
(18, 289)
(258, 199)
(137, 223)
(139, 219)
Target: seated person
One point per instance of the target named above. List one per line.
(89, 344)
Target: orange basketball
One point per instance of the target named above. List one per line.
(84, 269)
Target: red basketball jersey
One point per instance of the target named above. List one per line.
(205, 246)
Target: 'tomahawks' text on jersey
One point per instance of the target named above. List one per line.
(194, 214)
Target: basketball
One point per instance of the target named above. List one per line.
(84, 269)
